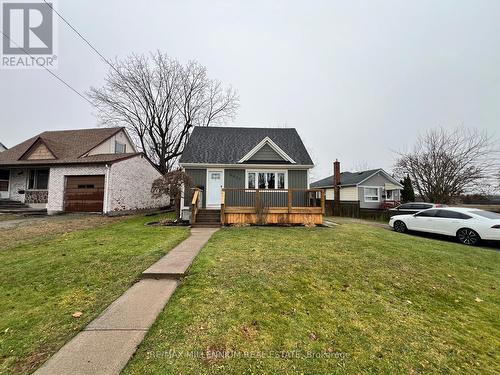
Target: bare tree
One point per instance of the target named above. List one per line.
(172, 184)
(159, 101)
(444, 164)
(360, 166)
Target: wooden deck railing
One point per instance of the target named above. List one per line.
(195, 203)
(282, 200)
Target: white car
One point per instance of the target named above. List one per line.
(468, 225)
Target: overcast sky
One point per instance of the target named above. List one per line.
(358, 79)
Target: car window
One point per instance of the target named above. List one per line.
(425, 206)
(486, 214)
(448, 214)
(427, 213)
(412, 206)
(404, 206)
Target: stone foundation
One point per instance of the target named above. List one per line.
(36, 196)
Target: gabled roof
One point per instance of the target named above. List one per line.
(67, 146)
(352, 178)
(2, 146)
(230, 145)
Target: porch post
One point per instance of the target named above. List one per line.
(289, 200)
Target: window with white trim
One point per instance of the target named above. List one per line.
(371, 194)
(266, 180)
(120, 148)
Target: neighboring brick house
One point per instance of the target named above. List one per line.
(90, 170)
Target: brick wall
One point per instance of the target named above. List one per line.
(57, 180)
(17, 182)
(130, 184)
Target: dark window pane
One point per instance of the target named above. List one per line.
(251, 180)
(262, 180)
(270, 181)
(281, 180)
(486, 214)
(4, 174)
(31, 179)
(449, 214)
(427, 213)
(42, 179)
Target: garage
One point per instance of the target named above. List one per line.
(84, 194)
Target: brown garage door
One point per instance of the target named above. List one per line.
(84, 194)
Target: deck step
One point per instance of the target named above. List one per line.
(207, 219)
(7, 204)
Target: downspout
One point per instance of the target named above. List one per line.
(106, 185)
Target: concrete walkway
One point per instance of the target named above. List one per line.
(108, 342)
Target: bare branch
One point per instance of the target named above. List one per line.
(159, 101)
(445, 164)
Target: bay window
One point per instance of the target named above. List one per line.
(266, 180)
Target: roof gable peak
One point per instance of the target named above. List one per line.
(39, 150)
(269, 142)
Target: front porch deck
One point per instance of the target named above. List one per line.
(273, 206)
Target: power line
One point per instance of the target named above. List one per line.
(82, 37)
(50, 72)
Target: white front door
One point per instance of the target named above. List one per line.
(215, 181)
(4, 183)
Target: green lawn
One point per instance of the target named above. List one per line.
(7, 217)
(43, 282)
(350, 299)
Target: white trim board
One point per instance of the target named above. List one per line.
(257, 171)
(244, 166)
(387, 175)
(371, 187)
(207, 193)
(273, 145)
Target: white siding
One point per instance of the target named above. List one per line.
(108, 147)
(130, 183)
(57, 183)
(349, 194)
(346, 194)
(329, 194)
(18, 179)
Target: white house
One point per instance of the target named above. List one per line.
(370, 188)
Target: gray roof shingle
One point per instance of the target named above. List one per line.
(228, 145)
(346, 179)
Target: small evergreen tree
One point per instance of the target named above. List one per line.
(408, 194)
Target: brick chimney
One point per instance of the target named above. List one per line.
(336, 186)
(336, 173)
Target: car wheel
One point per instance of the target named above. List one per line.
(468, 236)
(400, 227)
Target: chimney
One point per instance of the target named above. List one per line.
(336, 186)
(336, 173)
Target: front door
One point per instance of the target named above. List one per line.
(215, 181)
(4, 183)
